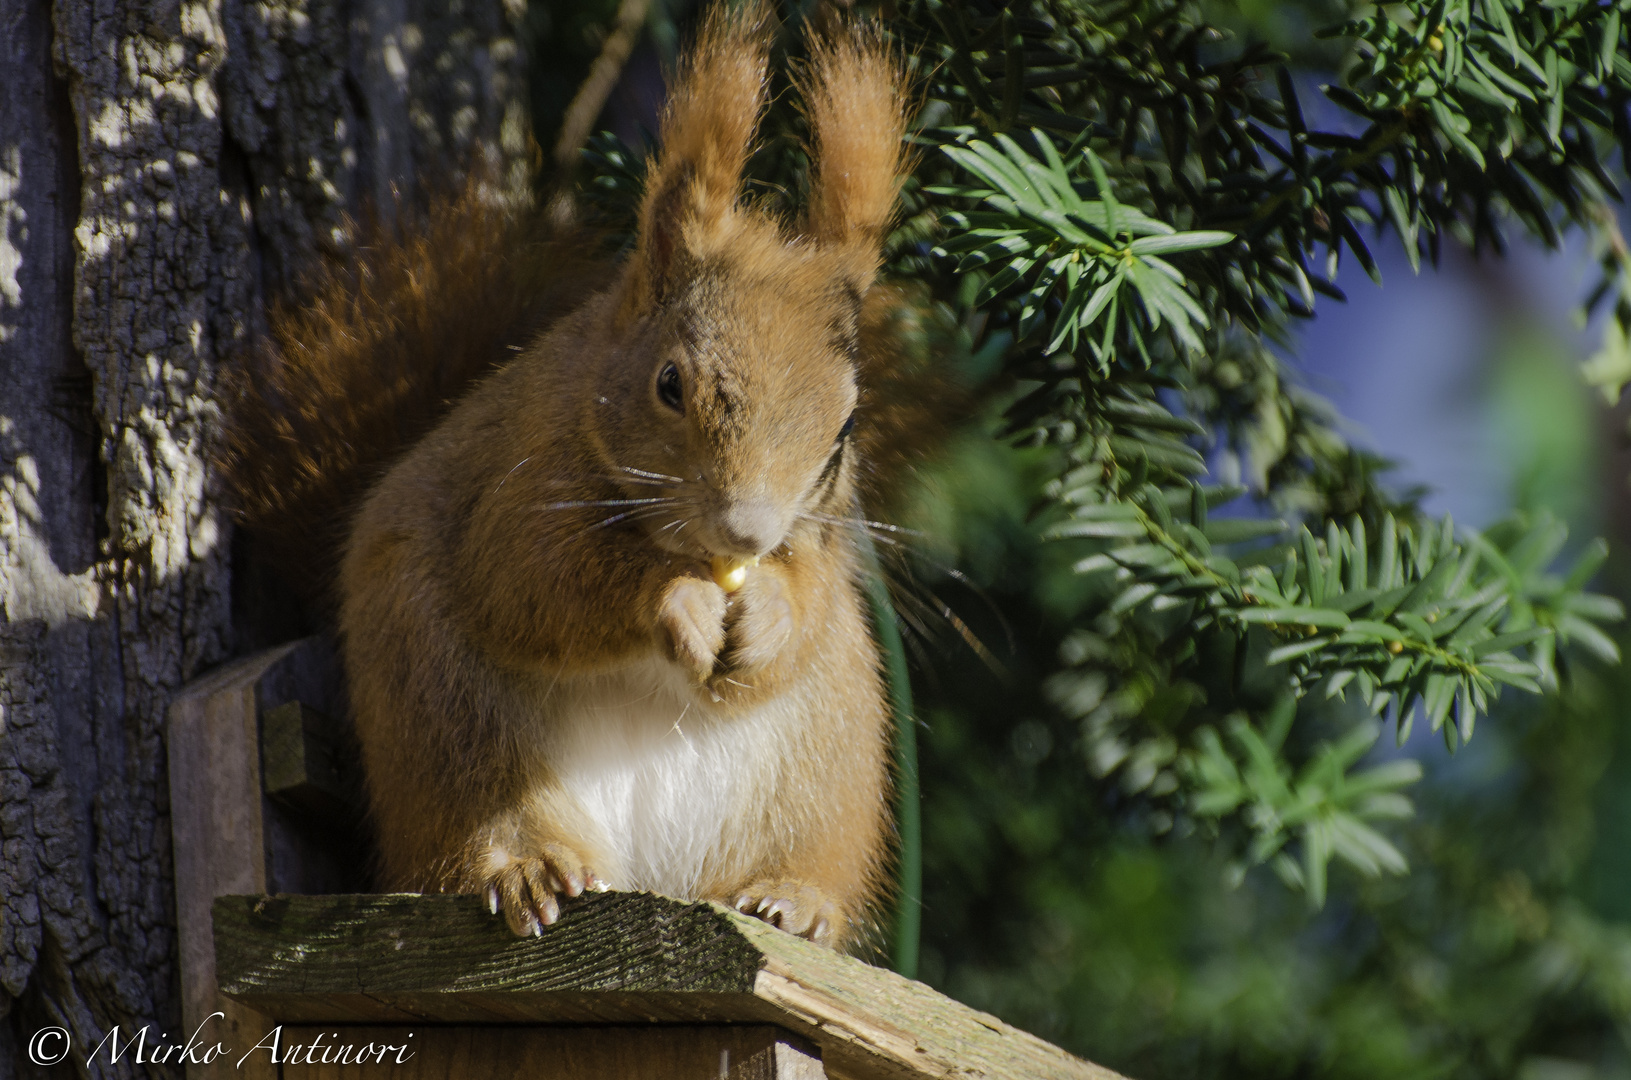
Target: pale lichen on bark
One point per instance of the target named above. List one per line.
(341, 107)
(150, 277)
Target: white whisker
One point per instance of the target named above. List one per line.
(511, 473)
(877, 529)
(627, 515)
(886, 527)
(651, 475)
(611, 502)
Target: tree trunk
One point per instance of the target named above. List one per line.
(165, 167)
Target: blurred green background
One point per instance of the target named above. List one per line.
(1055, 901)
(1502, 954)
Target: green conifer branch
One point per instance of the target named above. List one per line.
(1132, 211)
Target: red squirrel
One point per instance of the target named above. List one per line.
(603, 625)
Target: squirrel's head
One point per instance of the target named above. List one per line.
(731, 389)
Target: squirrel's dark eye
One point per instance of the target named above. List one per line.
(849, 426)
(669, 389)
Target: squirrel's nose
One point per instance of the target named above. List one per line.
(750, 527)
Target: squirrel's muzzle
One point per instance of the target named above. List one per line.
(750, 528)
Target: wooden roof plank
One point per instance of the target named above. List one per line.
(612, 958)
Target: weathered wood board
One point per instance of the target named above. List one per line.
(613, 959)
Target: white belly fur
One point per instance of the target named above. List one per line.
(674, 788)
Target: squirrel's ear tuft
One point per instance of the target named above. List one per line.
(855, 94)
(707, 133)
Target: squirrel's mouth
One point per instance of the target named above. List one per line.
(730, 543)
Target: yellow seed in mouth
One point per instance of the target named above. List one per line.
(732, 574)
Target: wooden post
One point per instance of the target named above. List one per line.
(227, 839)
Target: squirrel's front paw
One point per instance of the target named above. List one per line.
(525, 887)
(793, 906)
(692, 618)
(759, 625)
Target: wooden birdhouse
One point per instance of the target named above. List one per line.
(288, 972)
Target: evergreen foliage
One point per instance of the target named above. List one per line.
(1133, 210)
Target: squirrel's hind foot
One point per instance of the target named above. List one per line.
(800, 909)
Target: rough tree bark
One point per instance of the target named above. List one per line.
(165, 167)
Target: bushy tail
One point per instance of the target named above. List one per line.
(373, 353)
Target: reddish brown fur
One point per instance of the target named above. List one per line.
(383, 343)
(489, 583)
(707, 131)
(856, 102)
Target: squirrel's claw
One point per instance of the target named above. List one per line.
(526, 888)
(793, 906)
